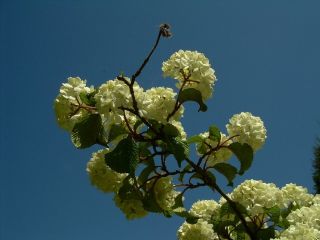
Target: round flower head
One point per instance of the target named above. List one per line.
(316, 199)
(296, 195)
(257, 195)
(300, 231)
(250, 129)
(306, 215)
(66, 105)
(198, 231)
(114, 94)
(204, 209)
(164, 192)
(101, 175)
(132, 208)
(222, 155)
(158, 103)
(193, 67)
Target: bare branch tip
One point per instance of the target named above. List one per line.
(165, 30)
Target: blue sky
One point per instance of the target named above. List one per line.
(266, 57)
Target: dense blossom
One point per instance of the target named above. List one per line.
(164, 192)
(306, 215)
(297, 195)
(101, 175)
(202, 230)
(132, 208)
(300, 231)
(250, 129)
(66, 104)
(114, 94)
(158, 103)
(222, 155)
(193, 66)
(204, 209)
(256, 195)
(316, 199)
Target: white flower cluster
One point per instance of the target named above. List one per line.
(110, 97)
(250, 129)
(306, 215)
(193, 66)
(222, 155)
(102, 176)
(299, 231)
(204, 209)
(114, 94)
(296, 195)
(164, 192)
(67, 102)
(158, 103)
(256, 195)
(132, 208)
(202, 230)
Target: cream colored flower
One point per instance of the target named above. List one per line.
(192, 66)
(101, 175)
(250, 129)
(67, 102)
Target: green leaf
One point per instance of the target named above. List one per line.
(124, 158)
(179, 148)
(115, 131)
(185, 214)
(274, 213)
(244, 154)
(214, 133)
(143, 149)
(88, 98)
(194, 139)
(144, 175)
(226, 170)
(178, 201)
(127, 190)
(191, 94)
(266, 233)
(170, 130)
(87, 132)
(150, 203)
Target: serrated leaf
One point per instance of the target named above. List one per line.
(87, 132)
(244, 153)
(194, 139)
(124, 158)
(214, 133)
(191, 94)
(170, 130)
(179, 148)
(115, 131)
(226, 170)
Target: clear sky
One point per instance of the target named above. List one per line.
(266, 57)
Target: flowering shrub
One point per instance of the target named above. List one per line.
(140, 133)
